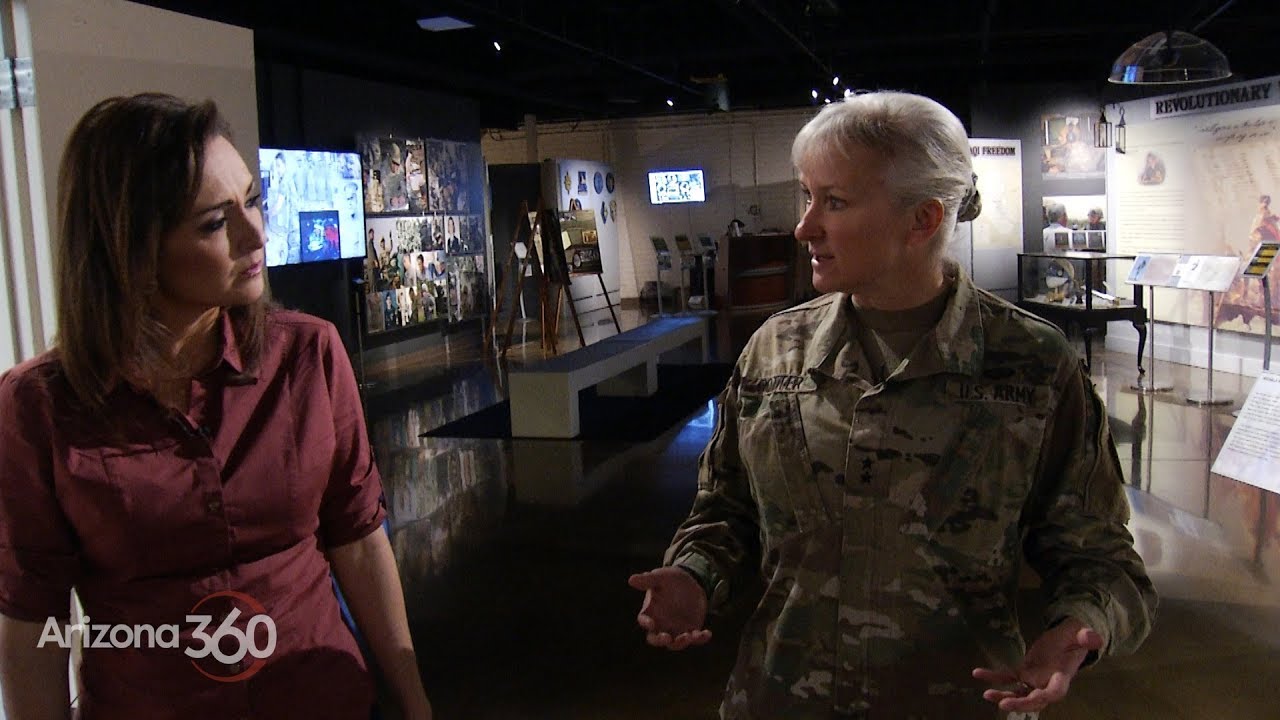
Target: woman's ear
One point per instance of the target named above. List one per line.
(926, 218)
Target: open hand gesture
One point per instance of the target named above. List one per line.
(1046, 671)
(674, 610)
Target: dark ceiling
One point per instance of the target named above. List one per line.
(624, 58)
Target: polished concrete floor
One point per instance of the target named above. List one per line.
(515, 554)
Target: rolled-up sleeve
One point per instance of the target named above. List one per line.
(38, 550)
(353, 504)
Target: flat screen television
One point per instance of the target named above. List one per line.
(676, 186)
(312, 205)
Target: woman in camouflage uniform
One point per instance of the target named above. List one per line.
(888, 455)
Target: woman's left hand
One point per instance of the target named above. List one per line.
(1046, 671)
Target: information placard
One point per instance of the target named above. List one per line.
(1251, 453)
(1211, 273)
(1261, 261)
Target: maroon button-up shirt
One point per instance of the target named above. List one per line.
(243, 492)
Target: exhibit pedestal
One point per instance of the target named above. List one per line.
(1207, 397)
(662, 259)
(705, 310)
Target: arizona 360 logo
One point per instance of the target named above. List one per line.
(257, 640)
(227, 644)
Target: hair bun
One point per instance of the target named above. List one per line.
(970, 206)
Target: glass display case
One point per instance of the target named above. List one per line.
(1069, 289)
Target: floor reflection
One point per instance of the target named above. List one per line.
(514, 554)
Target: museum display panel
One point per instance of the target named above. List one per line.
(426, 237)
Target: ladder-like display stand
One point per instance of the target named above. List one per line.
(526, 233)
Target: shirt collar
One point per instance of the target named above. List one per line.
(959, 342)
(955, 345)
(230, 346)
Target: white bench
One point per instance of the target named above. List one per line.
(544, 395)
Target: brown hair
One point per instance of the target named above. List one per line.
(129, 175)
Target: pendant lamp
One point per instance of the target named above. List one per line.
(1121, 133)
(1170, 57)
(1102, 131)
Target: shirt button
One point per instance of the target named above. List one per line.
(214, 505)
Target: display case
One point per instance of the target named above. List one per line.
(1069, 290)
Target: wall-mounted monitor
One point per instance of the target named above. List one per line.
(676, 186)
(312, 205)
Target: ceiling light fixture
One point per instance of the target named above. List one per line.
(1170, 57)
(497, 46)
(671, 103)
(835, 80)
(443, 23)
(813, 93)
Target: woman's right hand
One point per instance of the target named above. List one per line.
(674, 610)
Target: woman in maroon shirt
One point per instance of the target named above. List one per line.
(187, 450)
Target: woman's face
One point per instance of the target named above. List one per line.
(853, 226)
(214, 257)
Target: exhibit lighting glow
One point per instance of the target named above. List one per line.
(835, 80)
(671, 103)
(848, 93)
(826, 101)
(814, 94)
(497, 46)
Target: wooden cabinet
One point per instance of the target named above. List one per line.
(756, 276)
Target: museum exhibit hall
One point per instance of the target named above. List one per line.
(536, 239)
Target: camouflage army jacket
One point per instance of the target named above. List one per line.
(890, 521)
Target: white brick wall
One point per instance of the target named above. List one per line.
(745, 157)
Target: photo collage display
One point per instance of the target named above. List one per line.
(425, 233)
